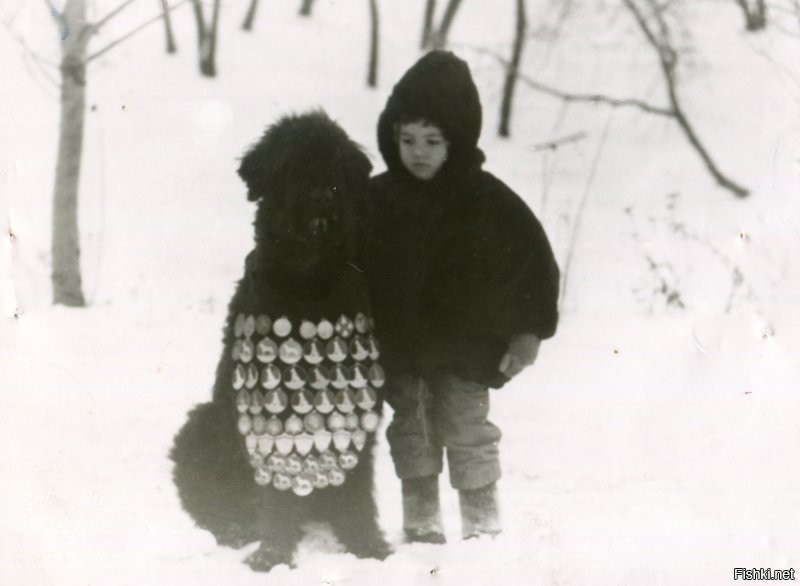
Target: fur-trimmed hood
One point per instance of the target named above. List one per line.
(440, 89)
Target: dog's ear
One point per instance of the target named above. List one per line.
(357, 167)
(360, 162)
(247, 173)
(252, 170)
(262, 161)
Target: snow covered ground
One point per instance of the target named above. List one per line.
(649, 445)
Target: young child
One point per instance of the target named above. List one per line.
(464, 287)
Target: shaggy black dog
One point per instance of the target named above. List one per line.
(287, 438)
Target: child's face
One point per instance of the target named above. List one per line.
(423, 149)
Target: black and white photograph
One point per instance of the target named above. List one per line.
(399, 292)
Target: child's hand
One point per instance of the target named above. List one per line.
(522, 352)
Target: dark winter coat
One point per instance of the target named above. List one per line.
(458, 264)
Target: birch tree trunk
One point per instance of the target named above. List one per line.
(66, 269)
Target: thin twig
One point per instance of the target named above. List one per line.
(21, 41)
(589, 98)
(98, 25)
(554, 144)
(780, 67)
(785, 31)
(784, 9)
(128, 35)
(582, 206)
(38, 61)
(597, 98)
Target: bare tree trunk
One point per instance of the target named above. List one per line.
(761, 7)
(427, 24)
(513, 70)
(251, 15)
(66, 275)
(439, 40)
(211, 61)
(372, 75)
(755, 17)
(207, 37)
(761, 12)
(202, 33)
(171, 47)
(305, 9)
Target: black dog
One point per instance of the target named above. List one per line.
(288, 436)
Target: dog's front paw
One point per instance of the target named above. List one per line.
(268, 556)
(378, 549)
(230, 534)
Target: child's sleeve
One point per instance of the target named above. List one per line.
(524, 281)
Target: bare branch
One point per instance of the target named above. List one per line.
(668, 59)
(786, 31)
(98, 25)
(131, 33)
(25, 47)
(576, 225)
(587, 98)
(38, 61)
(552, 145)
(665, 54)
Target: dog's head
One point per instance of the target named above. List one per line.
(310, 181)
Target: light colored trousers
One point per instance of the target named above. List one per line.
(438, 414)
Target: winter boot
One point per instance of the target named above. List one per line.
(479, 511)
(422, 514)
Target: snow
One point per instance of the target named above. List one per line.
(649, 444)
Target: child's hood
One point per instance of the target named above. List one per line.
(440, 89)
